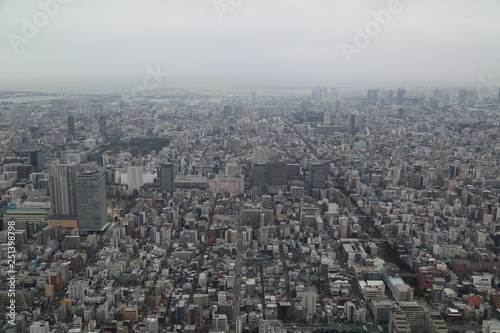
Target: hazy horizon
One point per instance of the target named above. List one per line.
(90, 46)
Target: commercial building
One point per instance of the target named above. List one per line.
(91, 192)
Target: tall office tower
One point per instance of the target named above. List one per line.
(316, 93)
(227, 111)
(372, 96)
(91, 195)
(37, 160)
(260, 155)
(259, 176)
(390, 97)
(353, 124)
(446, 99)
(327, 119)
(467, 97)
(309, 301)
(62, 188)
(103, 131)
(135, 178)
(400, 96)
(276, 173)
(166, 175)
(71, 126)
(317, 176)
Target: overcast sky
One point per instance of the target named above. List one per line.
(94, 45)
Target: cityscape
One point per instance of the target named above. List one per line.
(193, 211)
(232, 166)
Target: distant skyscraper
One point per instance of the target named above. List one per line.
(166, 176)
(71, 126)
(135, 177)
(467, 97)
(400, 96)
(276, 173)
(353, 124)
(498, 98)
(103, 131)
(91, 195)
(317, 176)
(390, 97)
(62, 187)
(320, 93)
(372, 95)
(327, 119)
(37, 160)
(446, 100)
(259, 176)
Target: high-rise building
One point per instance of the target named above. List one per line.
(91, 194)
(194, 315)
(400, 95)
(24, 171)
(372, 96)
(467, 97)
(219, 322)
(350, 309)
(135, 177)
(103, 130)
(297, 192)
(35, 177)
(498, 98)
(152, 324)
(37, 160)
(446, 100)
(353, 124)
(317, 176)
(131, 314)
(381, 310)
(309, 301)
(166, 176)
(71, 126)
(276, 173)
(76, 290)
(62, 188)
(259, 176)
(327, 119)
